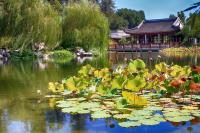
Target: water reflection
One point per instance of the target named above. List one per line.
(23, 110)
(152, 58)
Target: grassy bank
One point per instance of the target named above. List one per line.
(60, 56)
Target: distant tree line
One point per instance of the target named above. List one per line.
(118, 18)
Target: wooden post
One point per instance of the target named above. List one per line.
(159, 40)
(145, 39)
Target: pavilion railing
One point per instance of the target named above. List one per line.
(144, 46)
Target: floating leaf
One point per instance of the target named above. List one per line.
(100, 114)
(149, 122)
(121, 116)
(56, 87)
(133, 99)
(179, 118)
(83, 112)
(129, 124)
(135, 118)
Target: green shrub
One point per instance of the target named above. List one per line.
(61, 56)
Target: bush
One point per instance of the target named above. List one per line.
(61, 56)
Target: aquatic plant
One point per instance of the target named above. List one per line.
(134, 95)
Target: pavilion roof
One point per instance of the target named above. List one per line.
(156, 26)
(118, 34)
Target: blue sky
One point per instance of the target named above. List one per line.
(155, 9)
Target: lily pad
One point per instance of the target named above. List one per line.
(149, 122)
(179, 118)
(100, 114)
(121, 116)
(129, 124)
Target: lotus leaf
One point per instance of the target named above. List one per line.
(162, 67)
(66, 105)
(70, 110)
(135, 84)
(135, 118)
(136, 65)
(196, 113)
(142, 113)
(154, 108)
(56, 87)
(83, 112)
(149, 122)
(179, 118)
(103, 74)
(118, 82)
(129, 124)
(133, 99)
(172, 114)
(76, 84)
(121, 116)
(90, 105)
(86, 70)
(100, 114)
(190, 107)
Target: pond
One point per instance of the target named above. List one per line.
(24, 108)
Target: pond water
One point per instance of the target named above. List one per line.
(24, 110)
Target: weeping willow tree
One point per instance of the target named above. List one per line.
(84, 26)
(192, 27)
(26, 22)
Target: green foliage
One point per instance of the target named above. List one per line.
(122, 95)
(107, 7)
(133, 17)
(123, 41)
(29, 22)
(85, 26)
(61, 56)
(136, 65)
(117, 22)
(192, 27)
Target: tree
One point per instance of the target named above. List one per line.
(85, 26)
(132, 16)
(117, 22)
(123, 42)
(28, 22)
(195, 6)
(171, 16)
(107, 7)
(192, 27)
(182, 16)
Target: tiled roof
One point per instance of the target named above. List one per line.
(118, 34)
(155, 26)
